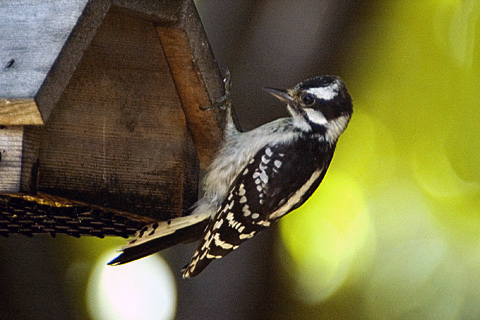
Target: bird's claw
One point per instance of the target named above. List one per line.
(224, 101)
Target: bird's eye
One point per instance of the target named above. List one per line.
(308, 99)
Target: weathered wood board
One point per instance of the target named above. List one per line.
(19, 112)
(10, 158)
(32, 36)
(119, 138)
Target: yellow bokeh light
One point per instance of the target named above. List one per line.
(144, 289)
(366, 151)
(325, 235)
(434, 172)
(416, 279)
(455, 29)
(409, 162)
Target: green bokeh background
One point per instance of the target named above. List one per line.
(396, 223)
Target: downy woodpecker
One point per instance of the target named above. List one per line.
(257, 176)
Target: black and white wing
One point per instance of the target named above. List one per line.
(279, 179)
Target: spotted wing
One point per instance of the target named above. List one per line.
(277, 180)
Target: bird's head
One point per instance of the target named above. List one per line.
(318, 105)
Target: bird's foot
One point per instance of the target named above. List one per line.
(225, 101)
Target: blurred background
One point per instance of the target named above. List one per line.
(393, 231)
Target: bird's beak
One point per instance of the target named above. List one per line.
(283, 95)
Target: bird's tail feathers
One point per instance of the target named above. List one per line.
(162, 235)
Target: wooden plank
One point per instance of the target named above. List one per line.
(190, 23)
(158, 11)
(59, 73)
(192, 92)
(32, 35)
(118, 135)
(10, 158)
(19, 112)
(42, 42)
(32, 136)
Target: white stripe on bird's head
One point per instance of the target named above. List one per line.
(325, 93)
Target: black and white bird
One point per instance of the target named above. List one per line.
(257, 176)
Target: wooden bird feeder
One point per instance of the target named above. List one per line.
(100, 123)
